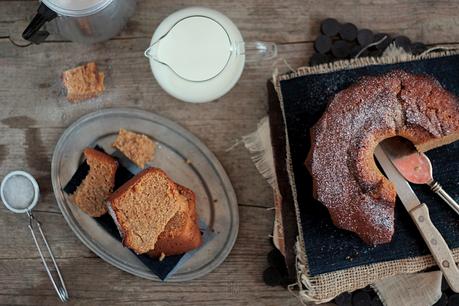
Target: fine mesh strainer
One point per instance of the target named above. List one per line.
(20, 193)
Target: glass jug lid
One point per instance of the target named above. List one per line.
(196, 48)
(76, 8)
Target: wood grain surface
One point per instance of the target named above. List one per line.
(34, 113)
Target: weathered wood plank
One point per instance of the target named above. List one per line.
(237, 281)
(283, 21)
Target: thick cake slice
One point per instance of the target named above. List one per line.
(91, 194)
(142, 207)
(182, 232)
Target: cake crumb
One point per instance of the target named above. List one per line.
(83, 82)
(139, 148)
(161, 258)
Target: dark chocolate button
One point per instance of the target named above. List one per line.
(340, 49)
(275, 259)
(271, 277)
(444, 284)
(453, 300)
(361, 298)
(418, 48)
(442, 301)
(375, 53)
(376, 301)
(330, 27)
(348, 31)
(344, 299)
(354, 51)
(385, 43)
(365, 37)
(318, 59)
(323, 44)
(403, 42)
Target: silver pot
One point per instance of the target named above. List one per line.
(83, 21)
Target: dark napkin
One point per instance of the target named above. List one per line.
(328, 248)
(159, 268)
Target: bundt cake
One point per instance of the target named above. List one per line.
(345, 177)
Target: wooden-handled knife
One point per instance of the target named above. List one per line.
(420, 215)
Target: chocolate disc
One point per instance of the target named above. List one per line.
(376, 302)
(348, 31)
(318, 59)
(323, 44)
(361, 298)
(344, 299)
(453, 300)
(341, 49)
(442, 301)
(330, 27)
(403, 42)
(385, 43)
(365, 37)
(418, 48)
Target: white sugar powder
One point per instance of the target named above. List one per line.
(18, 192)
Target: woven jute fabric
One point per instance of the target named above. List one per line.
(324, 287)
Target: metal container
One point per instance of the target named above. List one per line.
(83, 21)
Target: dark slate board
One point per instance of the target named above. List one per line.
(328, 248)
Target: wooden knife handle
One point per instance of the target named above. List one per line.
(437, 245)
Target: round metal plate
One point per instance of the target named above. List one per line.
(186, 160)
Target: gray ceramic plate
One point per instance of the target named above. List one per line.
(184, 157)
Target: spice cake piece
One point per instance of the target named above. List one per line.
(98, 184)
(182, 232)
(137, 147)
(142, 207)
(83, 82)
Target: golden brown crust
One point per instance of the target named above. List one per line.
(182, 234)
(83, 82)
(345, 177)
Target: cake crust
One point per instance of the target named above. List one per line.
(143, 206)
(345, 177)
(182, 232)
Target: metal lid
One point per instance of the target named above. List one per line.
(76, 8)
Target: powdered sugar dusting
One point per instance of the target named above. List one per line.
(345, 137)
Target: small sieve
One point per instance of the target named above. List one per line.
(20, 192)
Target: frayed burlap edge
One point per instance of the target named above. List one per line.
(325, 287)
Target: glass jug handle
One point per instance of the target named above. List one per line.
(32, 33)
(256, 51)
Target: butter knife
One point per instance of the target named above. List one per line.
(420, 215)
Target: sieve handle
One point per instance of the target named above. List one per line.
(59, 286)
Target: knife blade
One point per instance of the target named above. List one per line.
(420, 215)
(404, 191)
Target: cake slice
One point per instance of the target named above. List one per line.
(98, 184)
(142, 207)
(83, 82)
(182, 233)
(139, 148)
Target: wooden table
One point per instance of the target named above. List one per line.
(34, 113)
